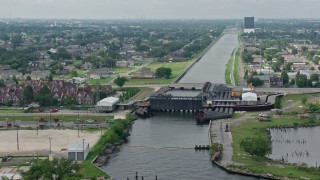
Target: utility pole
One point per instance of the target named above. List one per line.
(50, 143)
(78, 124)
(83, 147)
(17, 136)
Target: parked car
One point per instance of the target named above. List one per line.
(54, 110)
(36, 111)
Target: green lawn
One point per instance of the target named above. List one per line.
(101, 81)
(228, 71)
(296, 98)
(236, 68)
(59, 116)
(177, 69)
(10, 111)
(251, 128)
(121, 70)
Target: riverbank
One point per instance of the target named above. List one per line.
(109, 141)
(247, 126)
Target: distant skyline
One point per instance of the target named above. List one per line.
(159, 9)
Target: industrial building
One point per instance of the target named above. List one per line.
(108, 104)
(78, 151)
(248, 25)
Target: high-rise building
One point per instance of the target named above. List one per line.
(248, 24)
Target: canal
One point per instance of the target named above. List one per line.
(212, 65)
(164, 146)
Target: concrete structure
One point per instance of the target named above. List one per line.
(78, 151)
(248, 25)
(107, 104)
(78, 80)
(249, 96)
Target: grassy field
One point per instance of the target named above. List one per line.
(121, 70)
(144, 91)
(236, 68)
(228, 71)
(177, 69)
(65, 118)
(251, 128)
(293, 101)
(11, 111)
(101, 81)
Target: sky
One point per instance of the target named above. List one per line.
(159, 9)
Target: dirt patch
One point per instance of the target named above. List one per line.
(31, 144)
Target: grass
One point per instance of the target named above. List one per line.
(121, 70)
(100, 81)
(236, 68)
(11, 111)
(177, 69)
(227, 73)
(296, 98)
(110, 136)
(65, 118)
(251, 128)
(144, 91)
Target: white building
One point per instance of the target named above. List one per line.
(249, 96)
(78, 151)
(78, 80)
(107, 104)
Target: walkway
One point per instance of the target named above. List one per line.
(219, 135)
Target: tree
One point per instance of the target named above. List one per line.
(285, 77)
(50, 78)
(28, 78)
(68, 101)
(301, 80)
(294, 51)
(257, 145)
(163, 72)
(44, 169)
(14, 78)
(277, 103)
(44, 96)
(304, 100)
(74, 73)
(314, 77)
(120, 81)
(28, 94)
(2, 84)
(292, 82)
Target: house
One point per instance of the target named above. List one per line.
(87, 66)
(78, 80)
(98, 73)
(122, 64)
(145, 73)
(276, 81)
(37, 65)
(10, 73)
(300, 66)
(264, 78)
(38, 74)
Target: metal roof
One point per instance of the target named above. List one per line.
(78, 146)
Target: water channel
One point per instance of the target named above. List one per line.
(164, 144)
(296, 145)
(212, 65)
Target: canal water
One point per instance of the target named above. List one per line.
(164, 146)
(296, 145)
(212, 65)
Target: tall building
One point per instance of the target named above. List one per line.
(248, 24)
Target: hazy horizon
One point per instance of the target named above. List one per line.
(159, 9)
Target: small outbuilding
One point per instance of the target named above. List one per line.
(78, 151)
(108, 104)
(249, 96)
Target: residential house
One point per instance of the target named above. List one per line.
(145, 73)
(38, 74)
(10, 73)
(122, 64)
(98, 73)
(276, 81)
(87, 66)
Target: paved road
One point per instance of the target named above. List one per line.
(224, 138)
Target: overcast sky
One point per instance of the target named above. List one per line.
(159, 9)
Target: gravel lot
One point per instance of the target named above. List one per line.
(32, 145)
